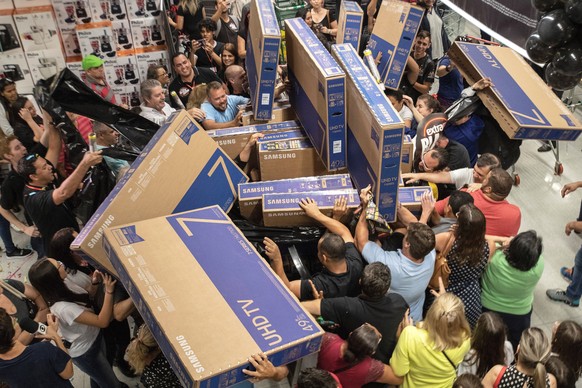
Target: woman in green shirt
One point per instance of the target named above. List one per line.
(509, 280)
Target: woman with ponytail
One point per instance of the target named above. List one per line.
(351, 360)
(533, 352)
(146, 358)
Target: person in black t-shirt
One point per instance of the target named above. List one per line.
(44, 203)
(376, 306)
(226, 24)
(341, 260)
(189, 14)
(187, 77)
(423, 65)
(208, 50)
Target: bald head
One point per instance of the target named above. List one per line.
(235, 76)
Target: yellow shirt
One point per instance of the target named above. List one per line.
(421, 365)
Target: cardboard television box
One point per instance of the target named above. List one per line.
(180, 169)
(211, 305)
(393, 36)
(524, 106)
(410, 197)
(350, 23)
(262, 57)
(318, 93)
(407, 154)
(294, 157)
(281, 112)
(233, 140)
(250, 194)
(375, 133)
(284, 209)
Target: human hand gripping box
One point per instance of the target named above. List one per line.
(318, 93)
(250, 194)
(263, 43)
(393, 36)
(208, 297)
(520, 101)
(375, 133)
(180, 169)
(284, 210)
(349, 25)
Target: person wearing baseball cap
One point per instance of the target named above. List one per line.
(95, 77)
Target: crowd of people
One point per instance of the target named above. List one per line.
(386, 322)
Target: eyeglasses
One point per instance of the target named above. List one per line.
(163, 74)
(30, 157)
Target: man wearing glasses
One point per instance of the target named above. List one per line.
(45, 203)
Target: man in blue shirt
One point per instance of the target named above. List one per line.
(411, 267)
(222, 110)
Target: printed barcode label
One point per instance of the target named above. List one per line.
(337, 146)
(265, 99)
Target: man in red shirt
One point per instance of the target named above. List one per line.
(95, 79)
(503, 218)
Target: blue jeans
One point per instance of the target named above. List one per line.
(94, 363)
(574, 290)
(5, 235)
(38, 245)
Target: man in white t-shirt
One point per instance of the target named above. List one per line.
(460, 177)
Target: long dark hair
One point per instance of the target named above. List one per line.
(469, 235)
(488, 343)
(567, 344)
(60, 249)
(362, 342)
(45, 277)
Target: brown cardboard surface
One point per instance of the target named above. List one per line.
(156, 184)
(290, 163)
(561, 123)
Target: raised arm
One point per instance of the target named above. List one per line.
(434, 177)
(362, 234)
(274, 254)
(310, 207)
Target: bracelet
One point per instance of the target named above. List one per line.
(110, 293)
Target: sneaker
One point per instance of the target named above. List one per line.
(567, 273)
(560, 296)
(546, 147)
(19, 252)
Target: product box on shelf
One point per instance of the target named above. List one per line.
(113, 10)
(70, 42)
(375, 132)
(318, 92)
(521, 102)
(76, 66)
(283, 210)
(250, 194)
(9, 39)
(139, 9)
(37, 28)
(148, 32)
(262, 57)
(350, 23)
(13, 65)
(202, 287)
(232, 140)
(31, 3)
(122, 34)
(122, 70)
(393, 35)
(44, 64)
(128, 95)
(158, 183)
(6, 5)
(97, 39)
(70, 13)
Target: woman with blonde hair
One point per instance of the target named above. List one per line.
(190, 14)
(427, 355)
(533, 352)
(197, 96)
(146, 358)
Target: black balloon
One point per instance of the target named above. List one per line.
(555, 28)
(546, 5)
(537, 50)
(573, 10)
(568, 58)
(560, 81)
